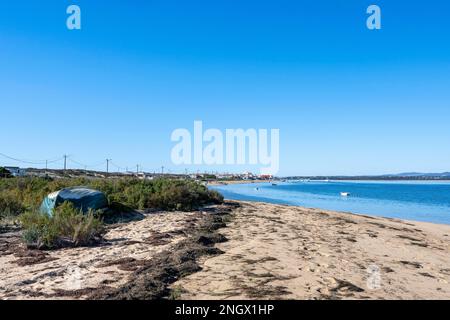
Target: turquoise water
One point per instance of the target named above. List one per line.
(420, 201)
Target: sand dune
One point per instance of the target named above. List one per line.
(283, 252)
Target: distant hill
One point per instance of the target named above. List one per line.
(420, 174)
(395, 176)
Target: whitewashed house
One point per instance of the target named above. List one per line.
(16, 171)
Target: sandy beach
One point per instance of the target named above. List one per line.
(282, 252)
(227, 182)
(264, 251)
(132, 254)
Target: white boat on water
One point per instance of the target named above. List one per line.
(345, 194)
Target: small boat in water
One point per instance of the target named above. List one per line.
(345, 194)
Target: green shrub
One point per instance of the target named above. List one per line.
(39, 231)
(78, 228)
(215, 196)
(4, 173)
(180, 195)
(67, 227)
(32, 236)
(26, 193)
(9, 205)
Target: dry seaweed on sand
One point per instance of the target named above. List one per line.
(152, 279)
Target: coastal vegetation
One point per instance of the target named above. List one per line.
(4, 173)
(18, 195)
(67, 226)
(21, 197)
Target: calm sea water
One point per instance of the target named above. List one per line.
(420, 201)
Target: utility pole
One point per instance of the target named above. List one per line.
(137, 169)
(65, 162)
(46, 165)
(107, 165)
(162, 170)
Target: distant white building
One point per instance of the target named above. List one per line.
(16, 171)
(248, 176)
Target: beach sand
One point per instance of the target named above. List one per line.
(78, 273)
(227, 182)
(284, 252)
(272, 252)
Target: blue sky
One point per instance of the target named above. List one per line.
(347, 100)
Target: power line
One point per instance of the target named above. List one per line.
(119, 168)
(86, 165)
(78, 163)
(68, 158)
(31, 161)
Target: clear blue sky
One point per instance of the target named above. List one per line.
(346, 100)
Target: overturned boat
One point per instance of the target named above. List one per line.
(82, 198)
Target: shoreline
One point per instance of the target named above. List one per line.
(342, 212)
(225, 183)
(396, 208)
(290, 252)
